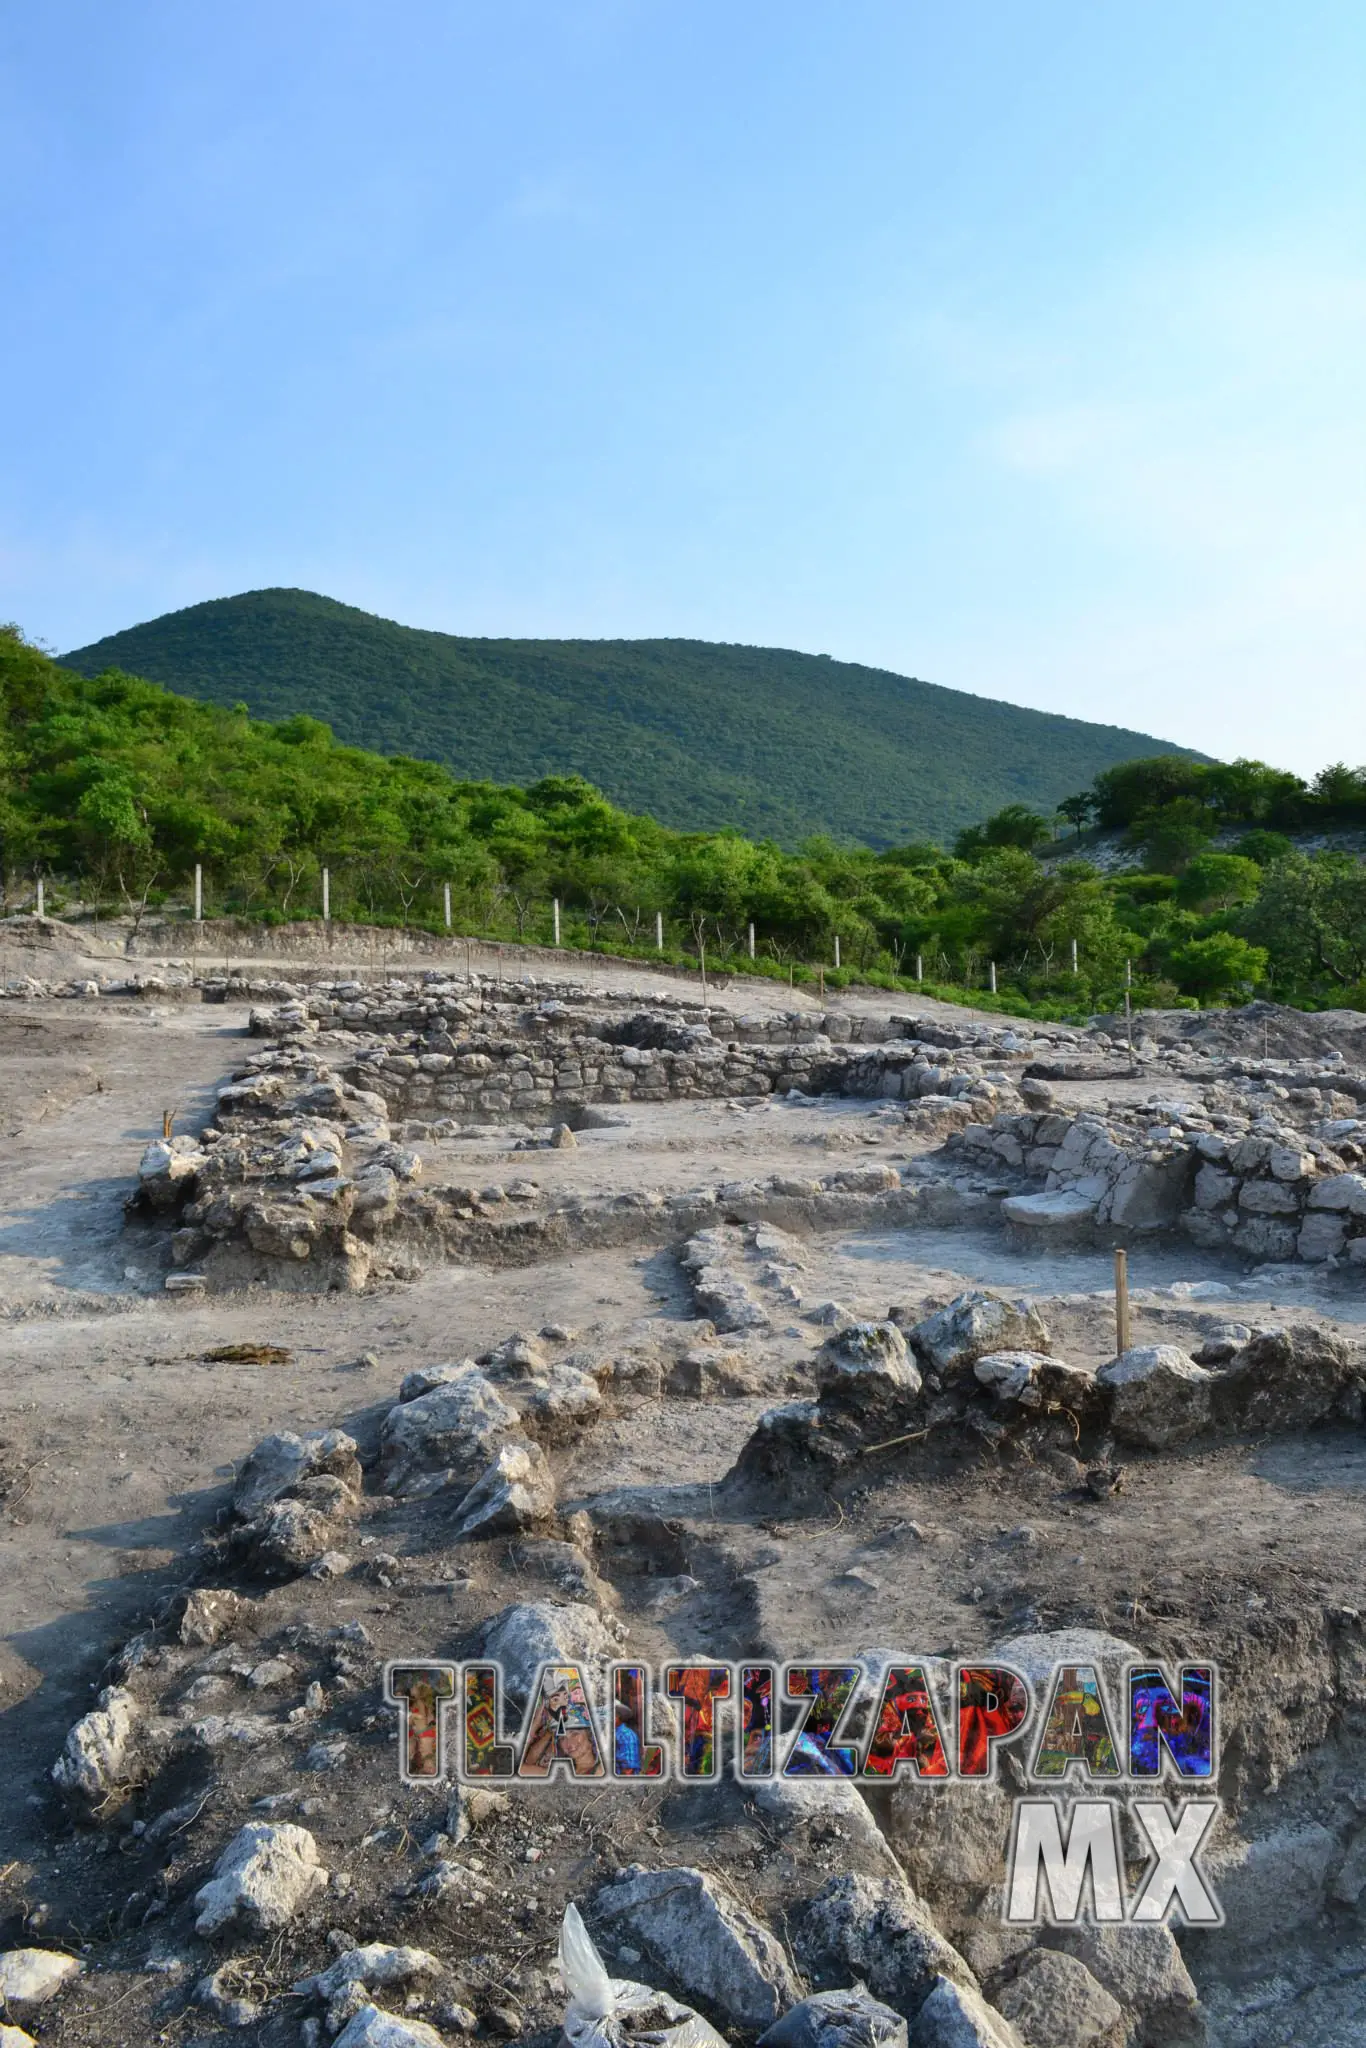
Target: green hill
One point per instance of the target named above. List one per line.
(700, 735)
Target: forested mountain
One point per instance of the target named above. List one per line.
(775, 743)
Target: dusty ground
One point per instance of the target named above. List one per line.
(118, 1441)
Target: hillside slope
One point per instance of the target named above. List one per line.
(701, 735)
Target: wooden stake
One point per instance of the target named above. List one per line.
(1121, 1300)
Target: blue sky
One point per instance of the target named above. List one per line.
(1017, 347)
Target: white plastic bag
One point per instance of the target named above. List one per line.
(614, 2012)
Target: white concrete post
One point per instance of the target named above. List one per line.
(327, 897)
(659, 931)
(40, 911)
(446, 903)
(837, 949)
(993, 977)
(1074, 956)
(198, 893)
(555, 910)
(920, 966)
(751, 942)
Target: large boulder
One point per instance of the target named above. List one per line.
(514, 1493)
(1283, 1379)
(523, 1638)
(284, 1540)
(703, 1939)
(1053, 2001)
(1158, 1395)
(1142, 1969)
(877, 1930)
(955, 1337)
(868, 1362)
(169, 1170)
(280, 1463)
(445, 1437)
(265, 1876)
(956, 2016)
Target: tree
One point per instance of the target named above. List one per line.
(1078, 809)
(1218, 881)
(1172, 834)
(1015, 826)
(1220, 965)
(1124, 792)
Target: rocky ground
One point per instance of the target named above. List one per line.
(710, 1387)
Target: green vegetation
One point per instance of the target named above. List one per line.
(776, 744)
(116, 789)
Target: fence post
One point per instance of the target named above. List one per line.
(920, 966)
(198, 893)
(751, 942)
(39, 912)
(993, 977)
(1074, 956)
(837, 949)
(446, 903)
(555, 914)
(327, 897)
(1121, 1300)
(659, 931)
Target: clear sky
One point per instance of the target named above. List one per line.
(1015, 346)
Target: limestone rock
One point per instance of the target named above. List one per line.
(877, 1930)
(1341, 1191)
(29, 1977)
(1055, 1210)
(956, 2016)
(516, 1492)
(867, 1361)
(559, 1406)
(704, 1940)
(286, 1539)
(838, 2019)
(373, 2028)
(217, 1994)
(1158, 1395)
(280, 1463)
(376, 1965)
(446, 1436)
(263, 1878)
(974, 1324)
(1282, 1379)
(1141, 1967)
(425, 1377)
(1055, 2002)
(169, 1170)
(790, 1803)
(211, 1613)
(92, 1766)
(1010, 1375)
(950, 1832)
(1271, 1884)
(523, 1638)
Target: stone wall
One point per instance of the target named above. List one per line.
(1269, 1190)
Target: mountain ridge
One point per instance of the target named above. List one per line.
(701, 734)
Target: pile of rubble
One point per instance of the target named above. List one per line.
(826, 1920)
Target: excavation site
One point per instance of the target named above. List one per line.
(489, 1307)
